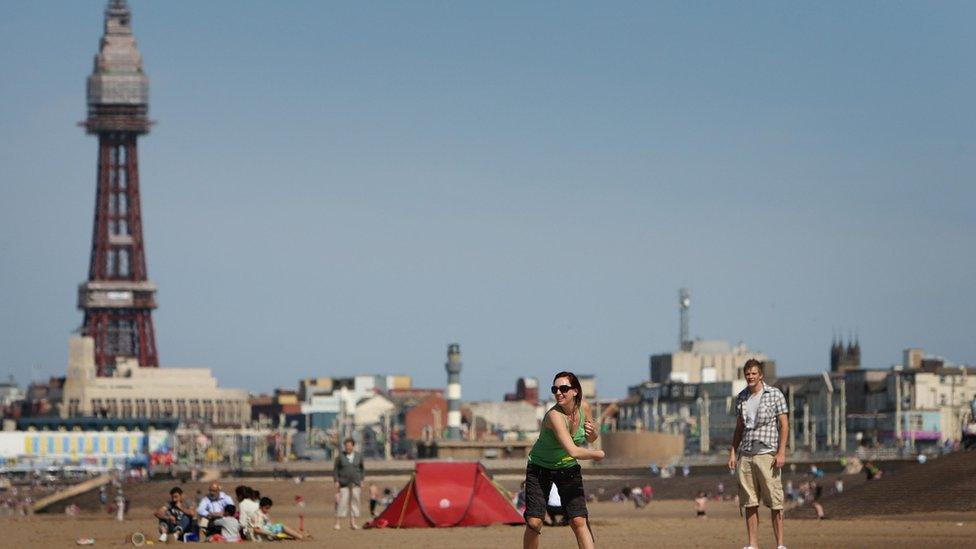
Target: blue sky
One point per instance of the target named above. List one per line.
(335, 189)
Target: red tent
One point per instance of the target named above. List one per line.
(445, 493)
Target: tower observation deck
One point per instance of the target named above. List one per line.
(118, 297)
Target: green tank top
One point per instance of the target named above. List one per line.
(548, 453)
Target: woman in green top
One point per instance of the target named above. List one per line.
(553, 460)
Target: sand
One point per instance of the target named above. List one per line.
(669, 524)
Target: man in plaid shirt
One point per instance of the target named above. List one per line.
(759, 443)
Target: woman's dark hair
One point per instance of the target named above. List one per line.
(242, 492)
(573, 382)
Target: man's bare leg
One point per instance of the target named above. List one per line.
(752, 525)
(583, 538)
(776, 515)
(533, 527)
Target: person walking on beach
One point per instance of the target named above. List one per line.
(553, 460)
(348, 472)
(374, 498)
(758, 450)
(817, 490)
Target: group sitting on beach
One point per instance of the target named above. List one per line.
(217, 518)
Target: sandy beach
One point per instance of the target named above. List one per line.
(670, 523)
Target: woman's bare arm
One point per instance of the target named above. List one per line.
(557, 423)
(589, 425)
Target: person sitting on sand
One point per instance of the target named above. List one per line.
(240, 493)
(273, 530)
(174, 518)
(249, 510)
(230, 527)
(211, 508)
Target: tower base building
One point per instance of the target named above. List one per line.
(188, 394)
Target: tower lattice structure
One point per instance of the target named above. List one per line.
(118, 297)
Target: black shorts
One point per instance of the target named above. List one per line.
(569, 483)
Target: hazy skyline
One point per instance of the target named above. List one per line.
(335, 189)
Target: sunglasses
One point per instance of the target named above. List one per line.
(562, 389)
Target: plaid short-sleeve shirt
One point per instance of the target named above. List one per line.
(772, 404)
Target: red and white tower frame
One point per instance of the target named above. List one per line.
(118, 297)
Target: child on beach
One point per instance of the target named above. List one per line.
(274, 530)
(700, 500)
(230, 527)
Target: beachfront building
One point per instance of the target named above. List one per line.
(706, 361)
(921, 403)
(526, 389)
(510, 420)
(701, 412)
(817, 406)
(188, 394)
(331, 403)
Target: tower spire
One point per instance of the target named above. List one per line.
(118, 297)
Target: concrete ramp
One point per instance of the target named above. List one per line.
(70, 492)
(943, 485)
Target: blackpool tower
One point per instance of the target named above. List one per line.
(118, 297)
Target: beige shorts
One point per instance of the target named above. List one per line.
(759, 478)
(348, 501)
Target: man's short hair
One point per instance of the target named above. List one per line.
(175, 490)
(349, 441)
(229, 510)
(265, 502)
(753, 363)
